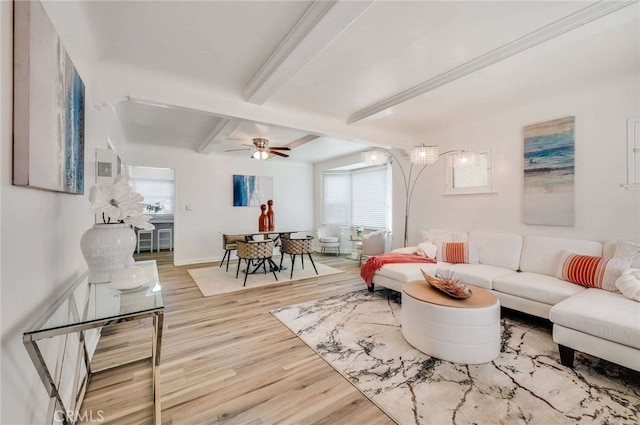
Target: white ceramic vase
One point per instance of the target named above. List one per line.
(106, 248)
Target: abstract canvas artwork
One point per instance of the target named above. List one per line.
(49, 97)
(251, 191)
(549, 156)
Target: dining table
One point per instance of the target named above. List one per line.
(266, 234)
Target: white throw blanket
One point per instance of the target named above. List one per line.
(629, 284)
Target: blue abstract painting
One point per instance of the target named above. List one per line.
(251, 191)
(49, 101)
(549, 175)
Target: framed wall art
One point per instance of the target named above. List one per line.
(549, 175)
(48, 98)
(251, 191)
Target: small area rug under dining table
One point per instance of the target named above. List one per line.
(215, 280)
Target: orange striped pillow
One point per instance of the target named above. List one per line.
(591, 272)
(457, 252)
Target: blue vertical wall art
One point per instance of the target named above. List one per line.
(251, 191)
(49, 100)
(549, 172)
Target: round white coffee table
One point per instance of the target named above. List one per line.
(460, 331)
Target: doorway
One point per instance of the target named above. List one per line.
(157, 187)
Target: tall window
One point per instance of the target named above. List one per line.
(358, 198)
(370, 198)
(336, 199)
(158, 193)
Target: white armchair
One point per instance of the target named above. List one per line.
(372, 244)
(329, 237)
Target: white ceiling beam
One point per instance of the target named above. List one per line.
(320, 24)
(303, 140)
(173, 91)
(220, 132)
(534, 38)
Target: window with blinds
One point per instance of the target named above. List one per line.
(335, 204)
(370, 198)
(154, 192)
(358, 198)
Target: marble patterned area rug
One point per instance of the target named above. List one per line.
(359, 334)
(215, 280)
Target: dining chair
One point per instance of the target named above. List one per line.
(295, 247)
(229, 244)
(258, 254)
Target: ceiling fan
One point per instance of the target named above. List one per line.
(261, 149)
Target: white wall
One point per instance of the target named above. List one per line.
(6, 75)
(40, 250)
(151, 173)
(604, 210)
(204, 184)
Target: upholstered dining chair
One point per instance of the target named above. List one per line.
(295, 247)
(229, 244)
(259, 252)
(329, 237)
(372, 244)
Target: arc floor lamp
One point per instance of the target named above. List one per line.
(421, 156)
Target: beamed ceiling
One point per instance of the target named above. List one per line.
(329, 78)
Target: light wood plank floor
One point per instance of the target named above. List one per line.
(227, 360)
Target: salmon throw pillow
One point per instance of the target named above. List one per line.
(458, 252)
(591, 272)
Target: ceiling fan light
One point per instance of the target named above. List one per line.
(423, 155)
(260, 154)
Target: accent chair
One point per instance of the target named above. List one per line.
(372, 244)
(329, 237)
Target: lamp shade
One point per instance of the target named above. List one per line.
(423, 155)
(464, 159)
(375, 157)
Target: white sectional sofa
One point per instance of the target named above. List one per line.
(521, 272)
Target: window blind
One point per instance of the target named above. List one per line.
(371, 197)
(155, 191)
(335, 205)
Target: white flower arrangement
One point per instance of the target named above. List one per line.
(359, 230)
(118, 203)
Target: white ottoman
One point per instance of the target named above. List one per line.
(460, 331)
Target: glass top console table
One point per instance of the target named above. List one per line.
(81, 307)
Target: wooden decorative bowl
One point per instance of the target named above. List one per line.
(452, 287)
